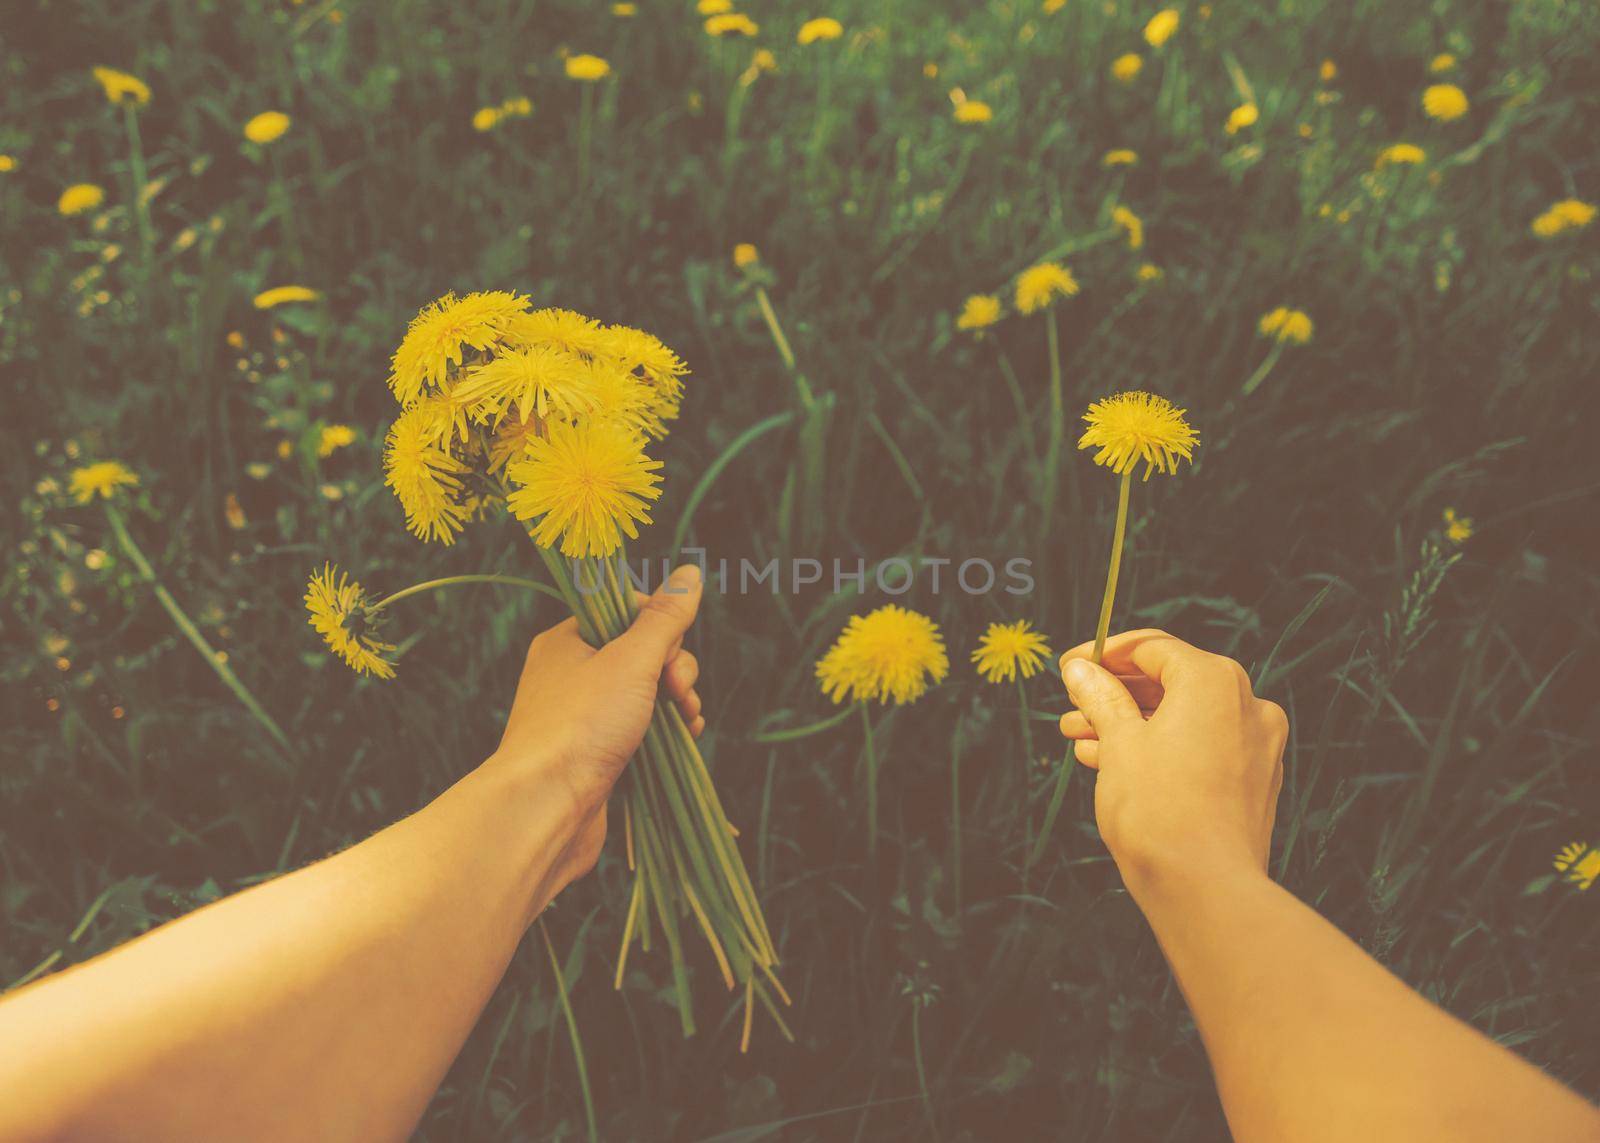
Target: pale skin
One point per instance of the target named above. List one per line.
(1310, 1039)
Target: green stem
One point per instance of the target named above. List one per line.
(1024, 418)
(1063, 780)
(585, 127)
(770, 316)
(1058, 421)
(796, 733)
(1261, 372)
(186, 626)
(147, 242)
(872, 783)
(922, 1072)
(955, 820)
(572, 1032)
(1027, 729)
(1104, 626)
(450, 581)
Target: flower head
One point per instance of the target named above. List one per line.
(745, 254)
(282, 295)
(1400, 155)
(891, 655)
(1010, 650)
(1126, 67)
(7, 163)
(1129, 427)
(485, 119)
(586, 486)
(267, 127)
(713, 7)
(334, 437)
(822, 28)
(80, 197)
(338, 610)
(1457, 529)
(978, 313)
(1580, 863)
(731, 24)
(1285, 324)
(537, 381)
(1442, 62)
(1161, 27)
(1568, 214)
(1444, 101)
(1039, 286)
(102, 479)
(1121, 157)
(442, 332)
(587, 68)
(422, 473)
(973, 111)
(1149, 272)
(120, 87)
(1130, 223)
(1328, 71)
(1245, 115)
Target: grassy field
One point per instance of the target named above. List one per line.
(1440, 681)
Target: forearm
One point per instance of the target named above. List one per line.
(325, 1004)
(1311, 1039)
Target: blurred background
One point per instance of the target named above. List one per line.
(1395, 530)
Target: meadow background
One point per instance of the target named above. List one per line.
(1441, 690)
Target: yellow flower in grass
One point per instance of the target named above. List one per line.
(338, 610)
(624, 9)
(979, 312)
(1010, 650)
(1285, 324)
(1457, 529)
(643, 355)
(1135, 426)
(283, 295)
(422, 473)
(713, 7)
(536, 381)
(1150, 272)
(1245, 115)
(485, 119)
(1131, 224)
(1126, 67)
(1161, 27)
(80, 197)
(1328, 72)
(1400, 155)
(334, 437)
(1051, 7)
(120, 87)
(566, 330)
(891, 655)
(973, 111)
(1445, 101)
(7, 163)
(1579, 863)
(1442, 62)
(102, 479)
(745, 254)
(442, 332)
(822, 28)
(586, 486)
(268, 127)
(587, 68)
(1122, 157)
(731, 24)
(1039, 286)
(1568, 214)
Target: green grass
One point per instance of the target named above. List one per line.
(1444, 727)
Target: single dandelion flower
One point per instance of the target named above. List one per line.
(822, 28)
(1122, 157)
(1286, 325)
(1441, 63)
(745, 255)
(1328, 72)
(1039, 286)
(1126, 67)
(120, 87)
(485, 119)
(439, 335)
(890, 655)
(731, 24)
(713, 7)
(1245, 115)
(1131, 224)
(1568, 214)
(764, 60)
(283, 295)
(1009, 651)
(586, 486)
(7, 163)
(334, 437)
(622, 398)
(1457, 529)
(973, 111)
(1161, 27)
(643, 355)
(1579, 863)
(1400, 155)
(518, 105)
(1051, 7)
(587, 68)
(624, 9)
(978, 313)
(1149, 272)
(1444, 102)
(565, 330)
(423, 474)
(537, 381)
(338, 610)
(102, 479)
(268, 127)
(79, 198)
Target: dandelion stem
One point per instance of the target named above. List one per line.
(770, 316)
(1063, 780)
(1117, 536)
(872, 783)
(585, 128)
(450, 581)
(572, 1032)
(1027, 730)
(1058, 421)
(136, 169)
(1263, 369)
(922, 1072)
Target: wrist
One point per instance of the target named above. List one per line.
(1181, 881)
(532, 811)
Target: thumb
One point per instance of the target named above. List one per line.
(1102, 698)
(664, 618)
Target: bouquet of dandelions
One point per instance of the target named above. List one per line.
(547, 413)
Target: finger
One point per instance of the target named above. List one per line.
(1075, 724)
(563, 641)
(663, 619)
(1096, 692)
(681, 674)
(697, 727)
(1145, 691)
(1088, 752)
(689, 706)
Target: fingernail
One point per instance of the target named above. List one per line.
(1077, 673)
(683, 579)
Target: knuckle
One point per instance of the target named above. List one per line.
(1276, 718)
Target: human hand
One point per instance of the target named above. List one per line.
(1190, 761)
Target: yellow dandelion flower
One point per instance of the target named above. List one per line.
(511, 441)
(732, 24)
(1150, 272)
(745, 254)
(764, 60)
(267, 127)
(1126, 67)
(586, 486)
(1161, 27)
(338, 611)
(1442, 62)
(485, 119)
(7, 163)
(890, 655)
(1568, 214)
(1039, 286)
(662, 370)
(1328, 72)
(973, 111)
(1129, 427)
(102, 479)
(1122, 157)
(1400, 155)
(334, 437)
(282, 295)
(978, 313)
(624, 9)
(587, 68)
(1051, 7)
(120, 87)
(1445, 101)
(80, 197)
(565, 330)
(1580, 863)
(621, 398)
(1245, 115)
(713, 7)
(519, 105)
(1457, 529)
(439, 335)
(1130, 223)
(822, 28)
(1287, 325)
(536, 380)
(1010, 650)
(422, 473)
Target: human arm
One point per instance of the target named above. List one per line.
(1309, 1038)
(328, 1003)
